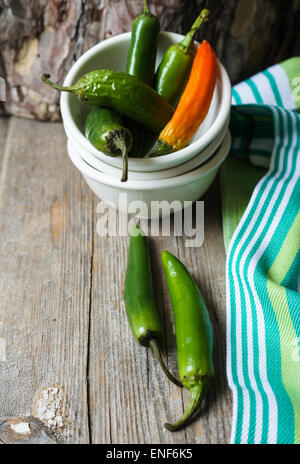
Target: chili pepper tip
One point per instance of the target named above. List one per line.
(165, 256)
(45, 76)
(135, 230)
(204, 14)
(45, 79)
(146, 6)
(195, 402)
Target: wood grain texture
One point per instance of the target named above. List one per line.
(44, 284)
(64, 335)
(3, 134)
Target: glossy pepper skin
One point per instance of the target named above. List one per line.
(194, 102)
(194, 335)
(139, 298)
(105, 130)
(122, 92)
(141, 64)
(143, 46)
(176, 64)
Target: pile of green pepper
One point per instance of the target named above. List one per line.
(132, 108)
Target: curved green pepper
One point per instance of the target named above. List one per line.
(139, 298)
(176, 64)
(143, 46)
(194, 335)
(104, 129)
(124, 93)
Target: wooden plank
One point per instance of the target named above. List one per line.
(3, 133)
(130, 399)
(45, 268)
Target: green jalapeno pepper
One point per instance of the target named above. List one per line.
(104, 129)
(142, 52)
(141, 64)
(139, 298)
(176, 64)
(193, 335)
(122, 92)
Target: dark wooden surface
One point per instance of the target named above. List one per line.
(67, 356)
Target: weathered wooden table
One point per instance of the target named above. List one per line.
(67, 356)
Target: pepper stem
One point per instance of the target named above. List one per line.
(124, 177)
(154, 345)
(188, 39)
(45, 78)
(163, 148)
(195, 402)
(120, 144)
(146, 7)
(120, 140)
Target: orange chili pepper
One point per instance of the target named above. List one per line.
(194, 103)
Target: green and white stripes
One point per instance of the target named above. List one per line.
(271, 87)
(263, 267)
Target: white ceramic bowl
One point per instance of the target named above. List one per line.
(188, 187)
(112, 54)
(183, 168)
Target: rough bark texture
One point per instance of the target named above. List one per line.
(48, 35)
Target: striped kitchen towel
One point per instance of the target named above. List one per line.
(263, 256)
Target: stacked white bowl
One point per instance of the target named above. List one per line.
(184, 175)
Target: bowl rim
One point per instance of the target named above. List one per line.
(138, 185)
(199, 160)
(146, 163)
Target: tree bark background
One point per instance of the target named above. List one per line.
(41, 35)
